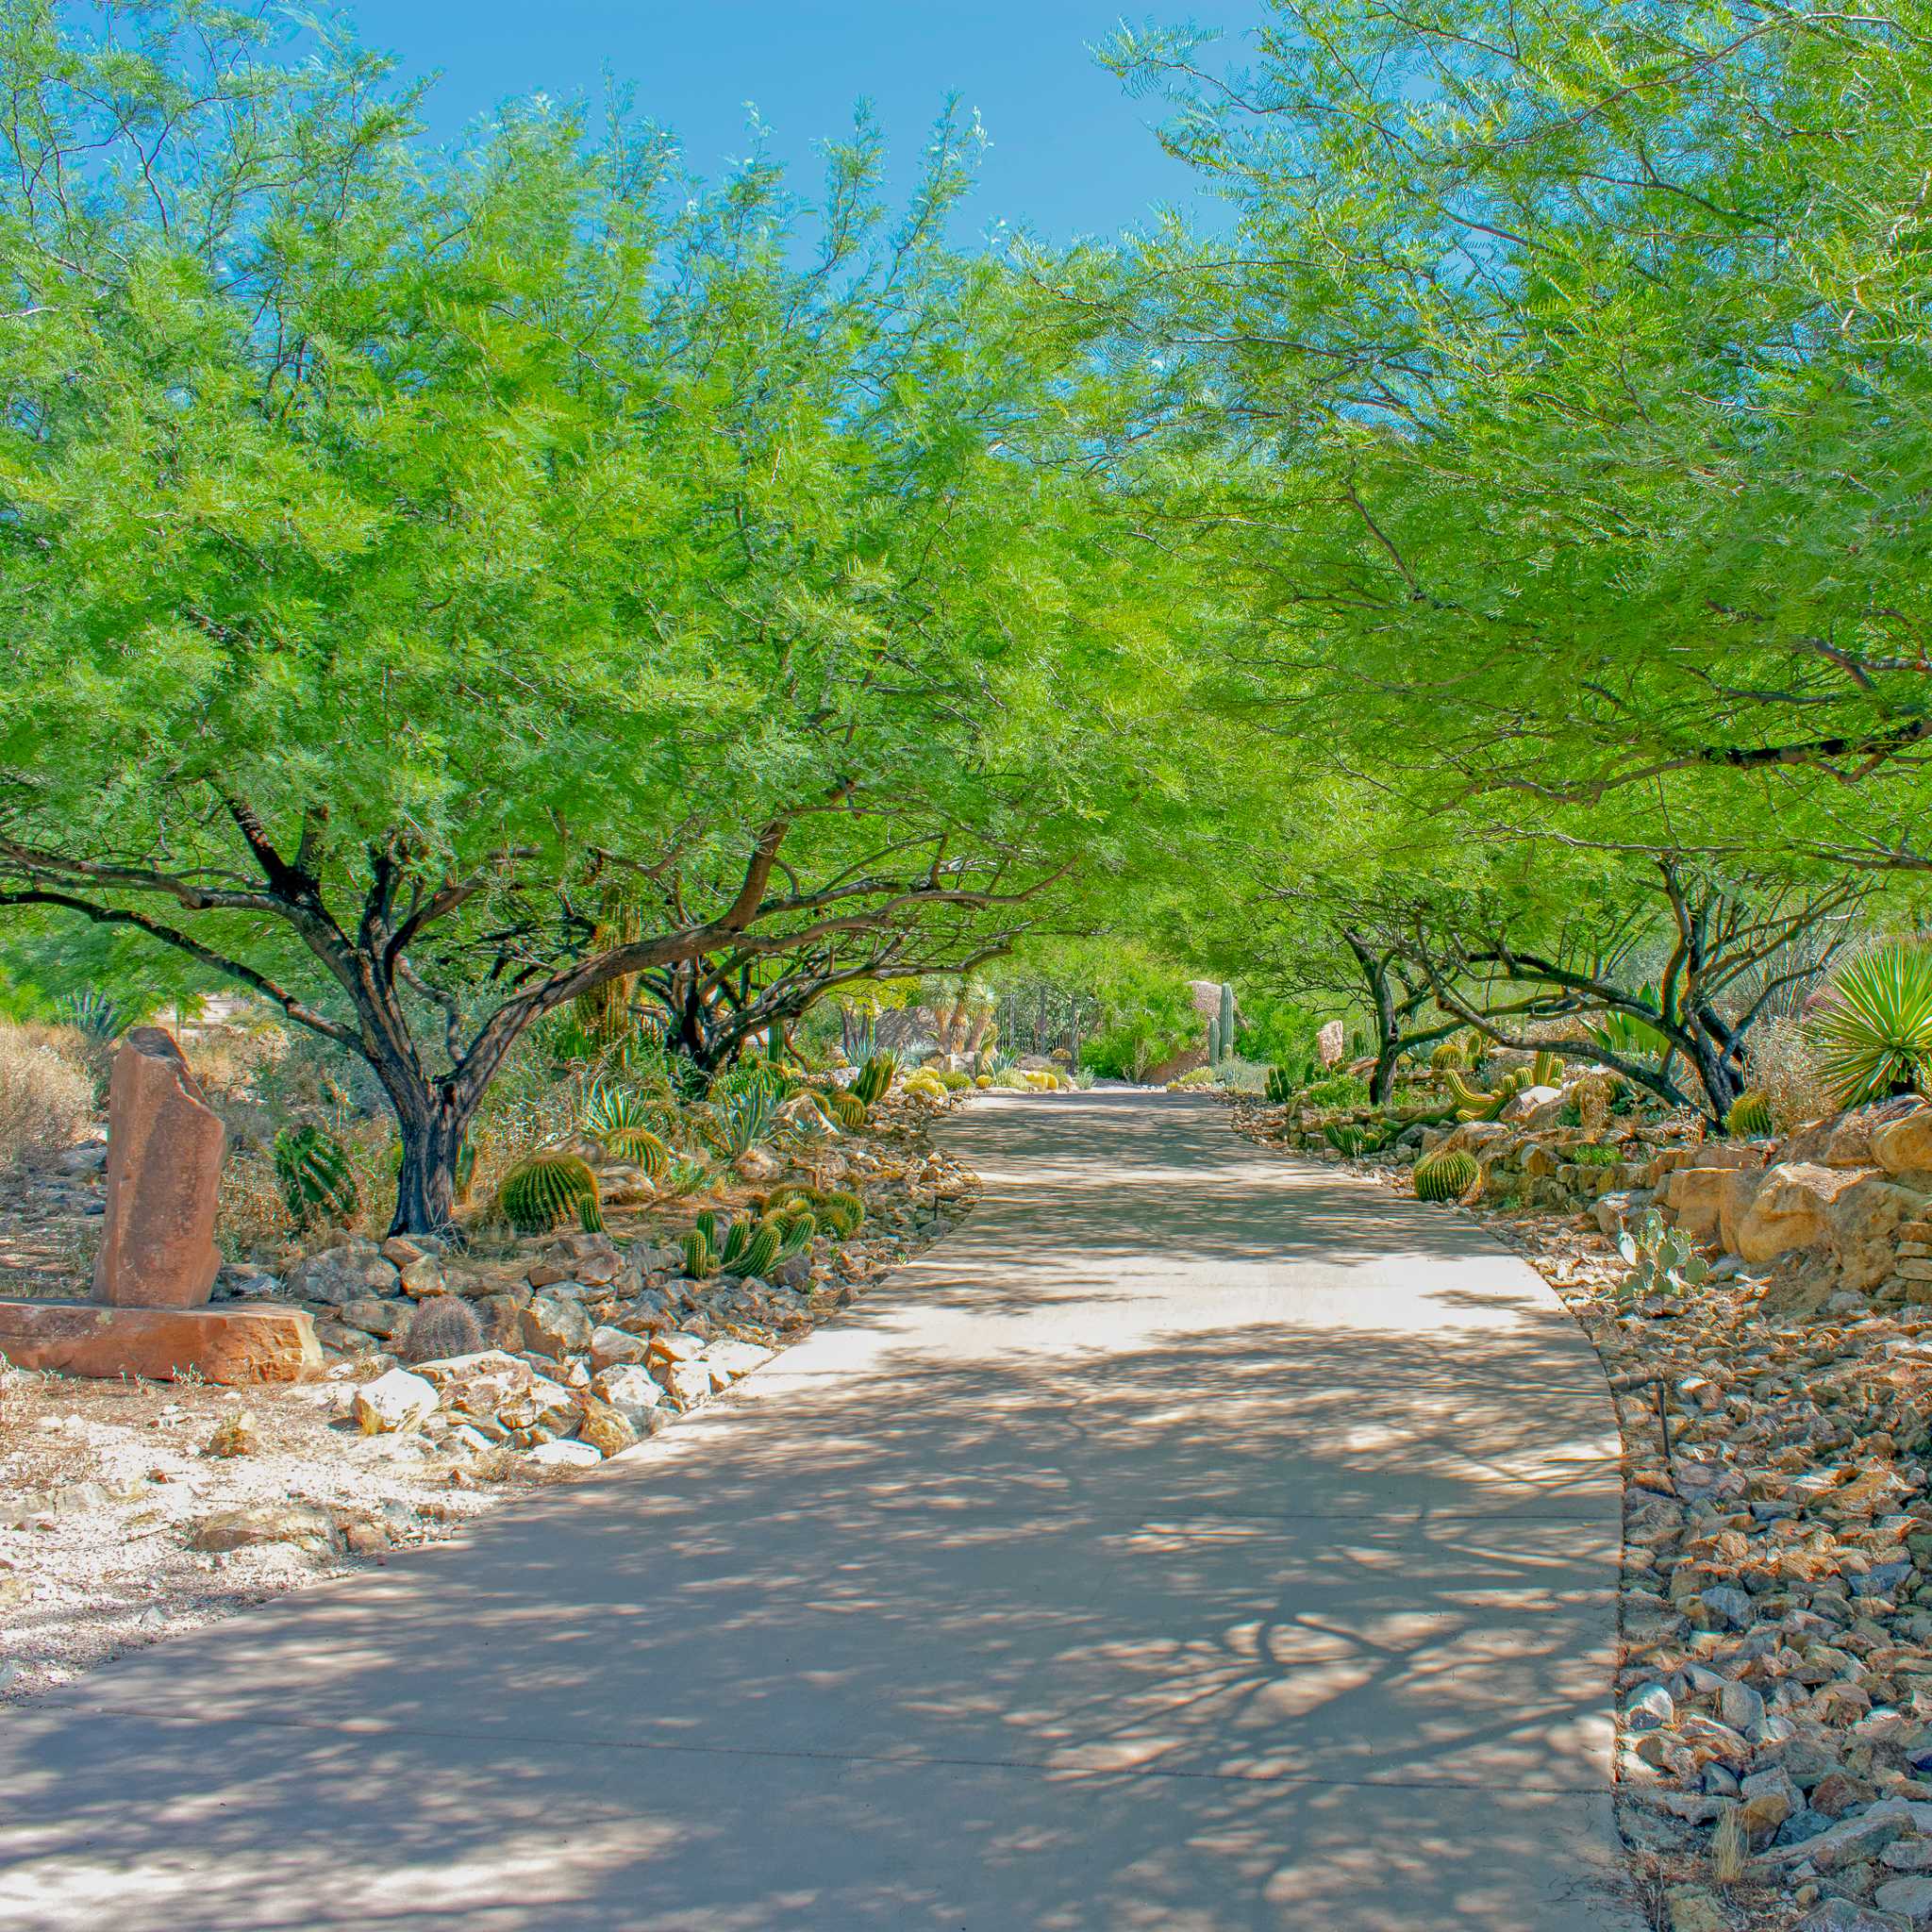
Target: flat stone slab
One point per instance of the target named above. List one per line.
(230, 1346)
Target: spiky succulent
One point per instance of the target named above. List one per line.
(744, 1118)
(842, 1212)
(760, 1255)
(93, 1013)
(699, 1261)
(642, 1148)
(443, 1325)
(849, 1111)
(317, 1181)
(1448, 1055)
(1750, 1117)
(1548, 1069)
(1284, 1083)
(540, 1193)
(1447, 1174)
(875, 1078)
(1873, 1027)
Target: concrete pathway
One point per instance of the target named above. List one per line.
(1197, 1541)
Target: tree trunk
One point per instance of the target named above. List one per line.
(427, 1181)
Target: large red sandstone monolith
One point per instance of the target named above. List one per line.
(158, 1260)
(164, 1170)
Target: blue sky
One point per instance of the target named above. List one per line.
(1070, 152)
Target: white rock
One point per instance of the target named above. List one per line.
(393, 1403)
(564, 1455)
(629, 1388)
(611, 1346)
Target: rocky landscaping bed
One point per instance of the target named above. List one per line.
(131, 1509)
(1775, 1755)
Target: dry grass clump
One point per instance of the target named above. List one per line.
(227, 1065)
(46, 1095)
(252, 1218)
(1783, 1066)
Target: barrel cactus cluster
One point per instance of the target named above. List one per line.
(1447, 1174)
(541, 1193)
(317, 1181)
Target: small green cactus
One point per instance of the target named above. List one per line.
(700, 1263)
(1447, 1174)
(797, 1231)
(1662, 1259)
(317, 1180)
(642, 1148)
(848, 1109)
(1285, 1082)
(547, 1189)
(760, 1255)
(1750, 1118)
(1548, 1071)
(875, 1078)
(842, 1212)
(1448, 1055)
(706, 1224)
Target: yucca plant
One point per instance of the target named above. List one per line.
(1750, 1117)
(540, 1193)
(1445, 1175)
(317, 1181)
(875, 1078)
(1873, 1028)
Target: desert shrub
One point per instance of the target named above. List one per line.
(1338, 1089)
(443, 1325)
(229, 1065)
(45, 1095)
(1783, 1064)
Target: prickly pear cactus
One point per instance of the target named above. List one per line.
(1662, 1259)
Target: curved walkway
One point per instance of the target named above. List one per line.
(1196, 1541)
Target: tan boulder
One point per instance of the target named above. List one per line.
(1845, 1139)
(1864, 1219)
(1905, 1146)
(1736, 1193)
(1694, 1197)
(1790, 1210)
(164, 1170)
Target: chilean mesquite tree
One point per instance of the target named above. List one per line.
(409, 553)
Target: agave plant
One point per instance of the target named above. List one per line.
(744, 1119)
(1627, 1036)
(94, 1014)
(611, 1109)
(1873, 1028)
